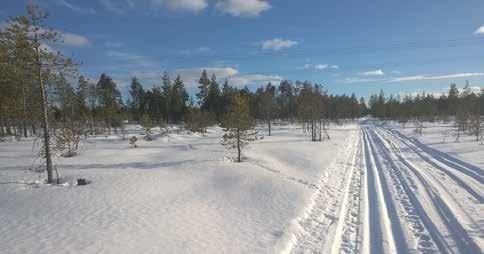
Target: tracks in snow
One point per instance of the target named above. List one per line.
(324, 223)
(387, 193)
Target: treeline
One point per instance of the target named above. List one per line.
(34, 78)
(465, 107)
(305, 102)
(42, 94)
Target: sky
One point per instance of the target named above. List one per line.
(348, 46)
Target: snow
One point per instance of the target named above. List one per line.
(176, 194)
(397, 195)
(372, 188)
(467, 149)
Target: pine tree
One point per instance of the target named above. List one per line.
(137, 94)
(213, 98)
(238, 126)
(267, 104)
(28, 36)
(166, 88)
(204, 90)
(109, 99)
(179, 99)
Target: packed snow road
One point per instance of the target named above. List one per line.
(395, 195)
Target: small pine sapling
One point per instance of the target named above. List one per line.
(238, 126)
(147, 128)
(132, 141)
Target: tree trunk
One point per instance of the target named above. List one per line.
(269, 122)
(238, 146)
(24, 110)
(45, 116)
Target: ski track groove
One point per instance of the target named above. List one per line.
(381, 207)
(435, 163)
(464, 243)
(420, 224)
(375, 199)
(323, 222)
(351, 238)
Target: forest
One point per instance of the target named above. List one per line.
(42, 93)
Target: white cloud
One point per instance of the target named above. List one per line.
(318, 67)
(122, 6)
(74, 40)
(68, 4)
(378, 72)
(256, 79)
(71, 39)
(278, 44)
(243, 8)
(422, 77)
(190, 76)
(480, 30)
(361, 80)
(412, 78)
(321, 66)
(182, 5)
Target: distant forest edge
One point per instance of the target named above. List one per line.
(42, 93)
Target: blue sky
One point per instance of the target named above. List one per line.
(348, 46)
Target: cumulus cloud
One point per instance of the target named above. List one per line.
(122, 6)
(243, 8)
(255, 79)
(183, 5)
(74, 40)
(480, 30)
(278, 44)
(422, 77)
(190, 76)
(71, 39)
(378, 72)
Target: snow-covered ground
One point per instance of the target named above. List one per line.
(372, 188)
(442, 136)
(400, 195)
(179, 193)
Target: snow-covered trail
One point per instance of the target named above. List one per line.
(370, 189)
(397, 195)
